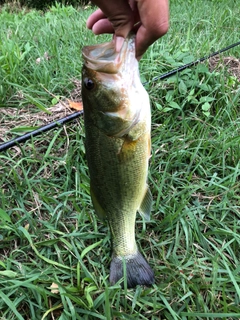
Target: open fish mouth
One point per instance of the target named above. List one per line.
(104, 58)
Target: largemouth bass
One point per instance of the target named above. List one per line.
(117, 122)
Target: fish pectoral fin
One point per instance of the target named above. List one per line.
(149, 146)
(128, 149)
(97, 207)
(146, 205)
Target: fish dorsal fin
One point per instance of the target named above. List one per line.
(146, 205)
(97, 207)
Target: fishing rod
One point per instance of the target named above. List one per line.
(191, 64)
(34, 133)
(75, 115)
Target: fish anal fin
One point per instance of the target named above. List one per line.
(146, 205)
(97, 207)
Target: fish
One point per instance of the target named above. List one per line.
(117, 121)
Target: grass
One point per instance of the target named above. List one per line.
(54, 252)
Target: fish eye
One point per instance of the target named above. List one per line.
(89, 84)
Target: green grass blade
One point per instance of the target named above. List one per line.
(11, 306)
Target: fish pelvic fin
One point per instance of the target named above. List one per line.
(146, 205)
(138, 271)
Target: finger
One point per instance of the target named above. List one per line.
(119, 13)
(102, 26)
(94, 17)
(154, 16)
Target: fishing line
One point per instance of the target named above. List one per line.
(75, 115)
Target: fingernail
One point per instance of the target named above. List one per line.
(119, 43)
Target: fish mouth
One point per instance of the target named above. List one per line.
(104, 58)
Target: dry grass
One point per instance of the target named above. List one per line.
(229, 64)
(30, 116)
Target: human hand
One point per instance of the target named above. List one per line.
(149, 19)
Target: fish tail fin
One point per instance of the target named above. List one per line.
(138, 271)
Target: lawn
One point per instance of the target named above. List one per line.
(54, 251)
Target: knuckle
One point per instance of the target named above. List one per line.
(158, 29)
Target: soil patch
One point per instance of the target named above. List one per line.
(230, 64)
(30, 117)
